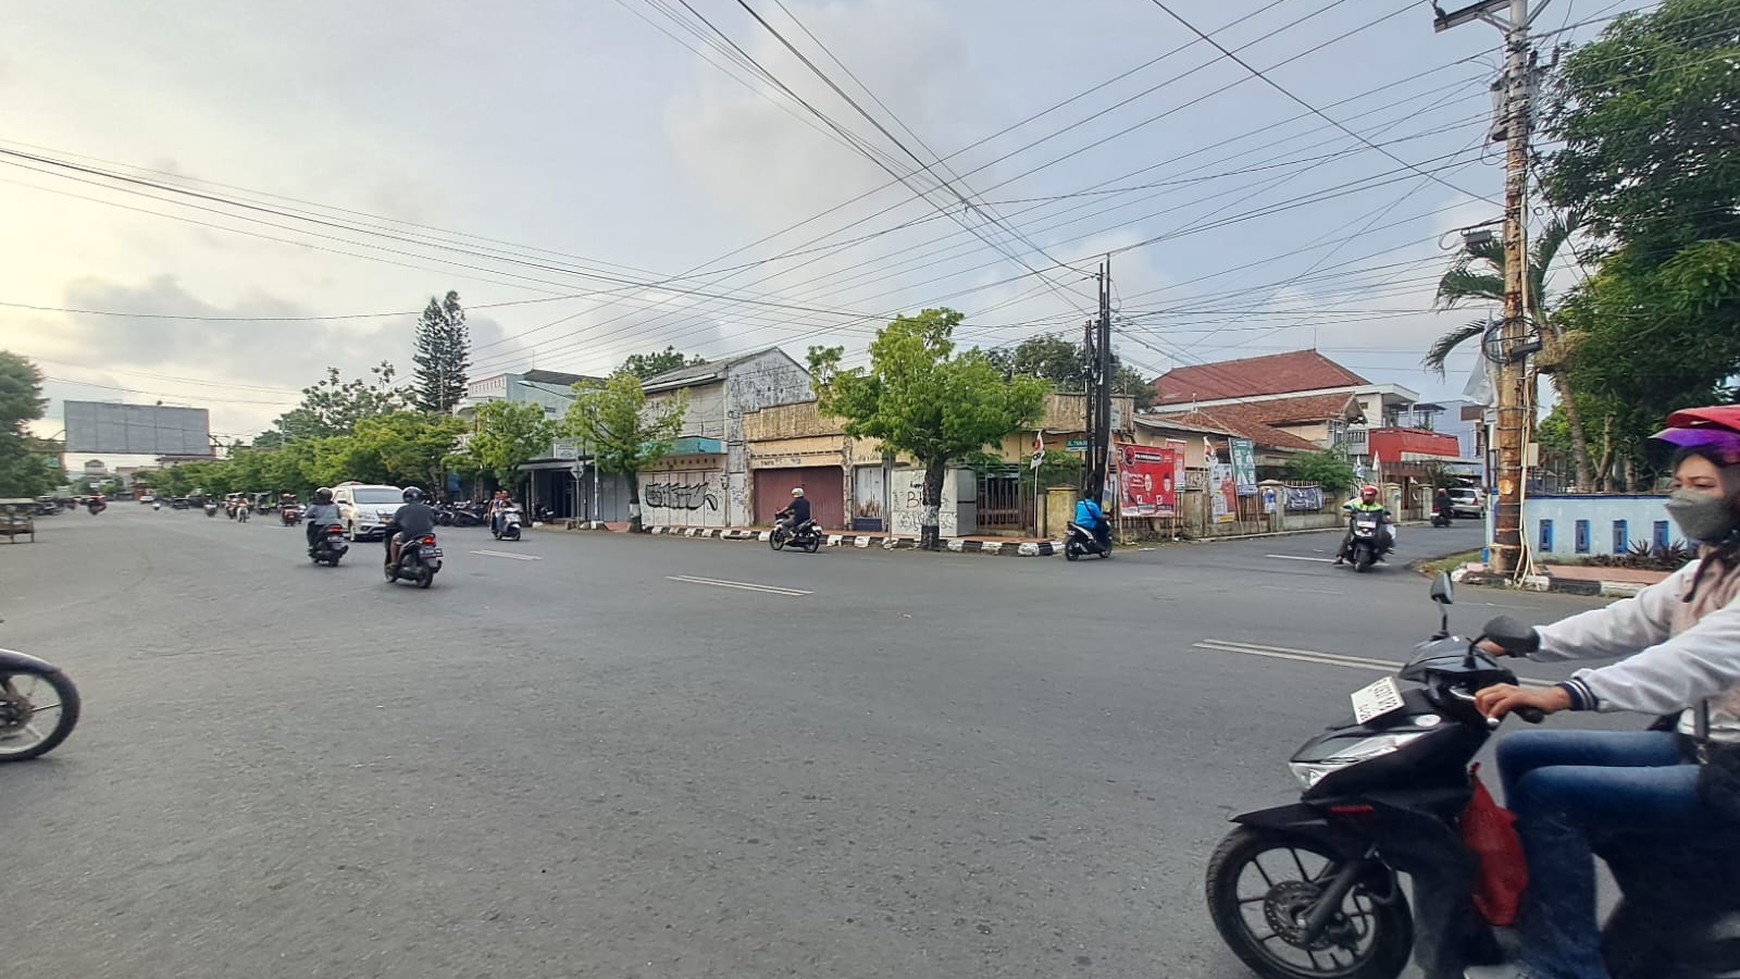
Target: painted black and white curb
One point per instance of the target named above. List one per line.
(885, 541)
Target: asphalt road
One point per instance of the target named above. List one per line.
(589, 755)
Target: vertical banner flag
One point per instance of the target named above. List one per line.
(1244, 463)
(1146, 477)
(1223, 493)
(1177, 446)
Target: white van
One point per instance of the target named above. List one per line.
(366, 508)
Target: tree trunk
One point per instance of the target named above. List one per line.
(929, 529)
(634, 524)
(1579, 436)
(1606, 467)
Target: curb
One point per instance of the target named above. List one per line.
(888, 542)
(1547, 583)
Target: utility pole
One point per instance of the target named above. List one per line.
(1514, 400)
(1098, 349)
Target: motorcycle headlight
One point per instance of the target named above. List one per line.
(1309, 773)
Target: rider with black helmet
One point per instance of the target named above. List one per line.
(321, 514)
(414, 519)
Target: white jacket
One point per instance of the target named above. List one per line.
(1681, 640)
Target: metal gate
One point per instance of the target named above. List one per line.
(1005, 501)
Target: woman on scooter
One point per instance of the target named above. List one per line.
(1573, 791)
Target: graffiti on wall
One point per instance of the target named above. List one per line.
(690, 499)
(906, 508)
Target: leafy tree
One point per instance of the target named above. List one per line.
(333, 406)
(443, 356)
(1478, 276)
(23, 472)
(1331, 470)
(919, 397)
(644, 366)
(1064, 363)
(507, 436)
(625, 434)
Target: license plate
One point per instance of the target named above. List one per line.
(430, 552)
(1382, 697)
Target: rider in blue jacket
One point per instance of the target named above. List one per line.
(1091, 518)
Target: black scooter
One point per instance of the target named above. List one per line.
(1078, 541)
(39, 705)
(1313, 888)
(329, 546)
(419, 560)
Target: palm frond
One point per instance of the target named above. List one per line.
(1546, 248)
(1446, 344)
(1463, 283)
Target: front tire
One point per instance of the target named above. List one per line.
(1370, 937)
(66, 702)
(814, 544)
(776, 540)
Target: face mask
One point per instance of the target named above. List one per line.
(1702, 517)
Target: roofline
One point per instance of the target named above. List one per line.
(1353, 390)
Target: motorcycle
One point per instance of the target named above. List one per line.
(1370, 542)
(290, 515)
(156, 506)
(509, 525)
(243, 512)
(419, 560)
(39, 705)
(1080, 541)
(805, 537)
(329, 546)
(96, 507)
(211, 509)
(1313, 888)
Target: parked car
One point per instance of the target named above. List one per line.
(365, 508)
(1466, 501)
(147, 499)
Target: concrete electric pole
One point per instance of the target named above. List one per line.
(1512, 433)
(1098, 349)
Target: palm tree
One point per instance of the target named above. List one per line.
(1478, 276)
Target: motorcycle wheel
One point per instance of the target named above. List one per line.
(513, 533)
(23, 690)
(814, 544)
(1071, 551)
(776, 540)
(1258, 922)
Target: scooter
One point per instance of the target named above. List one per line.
(1079, 541)
(242, 513)
(508, 526)
(804, 537)
(156, 506)
(1313, 888)
(39, 705)
(211, 509)
(419, 560)
(1370, 541)
(290, 515)
(1441, 517)
(329, 546)
(96, 507)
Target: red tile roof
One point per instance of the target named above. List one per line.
(1301, 370)
(1310, 408)
(1238, 420)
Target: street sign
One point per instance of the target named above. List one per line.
(1077, 445)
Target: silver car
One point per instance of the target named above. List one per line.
(366, 508)
(1466, 501)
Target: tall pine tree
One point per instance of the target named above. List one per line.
(443, 356)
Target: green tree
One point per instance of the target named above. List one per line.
(1478, 276)
(506, 436)
(625, 434)
(921, 398)
(1331, 470)
(644, 366)
(333, 406)
(23, 471)
(443, 356)
(1064, 363)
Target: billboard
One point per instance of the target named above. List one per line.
(1223, 493)
(154, 430)
(1147, 481)
(1244, 463)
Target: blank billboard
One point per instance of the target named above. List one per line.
(153, 430)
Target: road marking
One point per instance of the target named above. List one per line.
(740, 585)
(509, 556)
(1295, 557)
(1327, 659)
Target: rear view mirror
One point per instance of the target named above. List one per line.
(1443, 592)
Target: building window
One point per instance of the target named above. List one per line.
(1621, 537)
(1546, 537)
(1582, 537)
(1663, 535)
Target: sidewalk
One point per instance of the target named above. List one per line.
(1000, 546)
(1572, 579)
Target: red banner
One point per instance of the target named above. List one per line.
(1145, 481)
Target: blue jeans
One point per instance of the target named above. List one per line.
(1571, 791)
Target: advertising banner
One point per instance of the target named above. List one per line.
(1244, 461)
(1223, 493)
(1147, 480)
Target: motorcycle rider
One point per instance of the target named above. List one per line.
(321, 514)
(1089, 517)
(793, 518)
(1441, 503)
(1367, 503)
(497, 505)
(1574, 791)
(414, 519)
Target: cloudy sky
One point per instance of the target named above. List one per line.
(208, 203)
